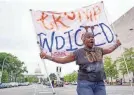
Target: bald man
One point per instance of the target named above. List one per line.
(91, 73)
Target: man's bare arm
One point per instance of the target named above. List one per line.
(112, 48)
(67, 59)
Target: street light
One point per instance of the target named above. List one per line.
(3, 66)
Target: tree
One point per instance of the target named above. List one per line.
(52, 76)
(122, 66)
(110, 68)
(31, 79)
(5, 77)
(71, 77)
(13, 65)
(67, 78)
(21, 78)
(128, 63)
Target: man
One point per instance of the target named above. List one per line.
(53, 83)
(91, 69)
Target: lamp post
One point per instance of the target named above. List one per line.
(3, 67)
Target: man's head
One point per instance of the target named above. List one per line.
(88, 39)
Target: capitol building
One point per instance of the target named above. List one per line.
(38, 74)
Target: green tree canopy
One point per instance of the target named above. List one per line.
(110, 68)
(12, 65)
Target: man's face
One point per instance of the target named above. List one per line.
(89, 40)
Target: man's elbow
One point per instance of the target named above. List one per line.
(61, 61)
(108, 52)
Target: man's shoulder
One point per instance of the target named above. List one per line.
(80, 49)
(97, 47)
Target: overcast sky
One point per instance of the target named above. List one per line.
(17, 31)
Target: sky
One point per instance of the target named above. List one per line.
(18, 35)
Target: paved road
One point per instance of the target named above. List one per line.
(67, 90)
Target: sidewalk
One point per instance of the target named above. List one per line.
(124, 84)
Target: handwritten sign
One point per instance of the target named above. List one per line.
(59, 33)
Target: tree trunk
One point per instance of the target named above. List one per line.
(123, 78)
(15, 78)
(9, 77)
(111, 81)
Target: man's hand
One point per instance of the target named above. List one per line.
(118, 42)
(42, 55)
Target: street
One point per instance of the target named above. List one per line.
(38, 89)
